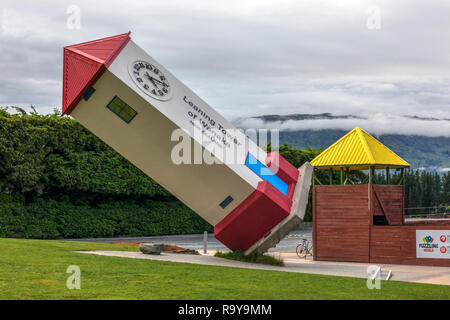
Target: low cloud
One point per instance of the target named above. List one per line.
(377, 124)
(250, 58)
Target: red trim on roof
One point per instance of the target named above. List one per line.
(84, 64)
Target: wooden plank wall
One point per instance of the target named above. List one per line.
(343, 227)
(341, 222)
(389, 200)
(397, 245)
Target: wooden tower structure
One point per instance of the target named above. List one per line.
(358, 218)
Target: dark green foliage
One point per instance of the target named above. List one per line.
(419, 151)
(422, 189)
(51, 218)
(426, 189)
(60, 181)
(40, 154)
(251, 258)
(296, 156)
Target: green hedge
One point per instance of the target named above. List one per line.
(58, 180)
(52, 219)
(50, 154)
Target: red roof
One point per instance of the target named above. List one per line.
(84, 63)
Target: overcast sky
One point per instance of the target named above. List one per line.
(248, 58)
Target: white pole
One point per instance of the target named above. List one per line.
(205, 242)
(389, 275)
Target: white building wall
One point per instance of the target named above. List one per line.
(177, 110)
(145, 142)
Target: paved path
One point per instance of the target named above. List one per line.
(433, 275)
(195, 241)
(285, 250)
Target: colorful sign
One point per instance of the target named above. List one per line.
(433, 244)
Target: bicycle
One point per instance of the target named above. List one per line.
(304, 248)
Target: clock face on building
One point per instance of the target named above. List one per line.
(150, 79)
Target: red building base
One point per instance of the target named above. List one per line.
(265, 208)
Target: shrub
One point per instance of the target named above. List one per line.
(50, 218)
(252, 258)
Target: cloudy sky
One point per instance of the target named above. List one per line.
(377, 59)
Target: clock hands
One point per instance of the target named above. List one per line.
(160, 86)
(153, 80)
(163, 83)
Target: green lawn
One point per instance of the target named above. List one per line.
(36, 269)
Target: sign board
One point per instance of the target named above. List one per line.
(433, 244)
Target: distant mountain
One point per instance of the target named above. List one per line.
(428, 118)
(304, 116)
(329, 116)
(420, 151)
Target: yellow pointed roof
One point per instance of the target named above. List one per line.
(358, 150)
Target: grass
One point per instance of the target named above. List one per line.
(36, 269)
(252, 258)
